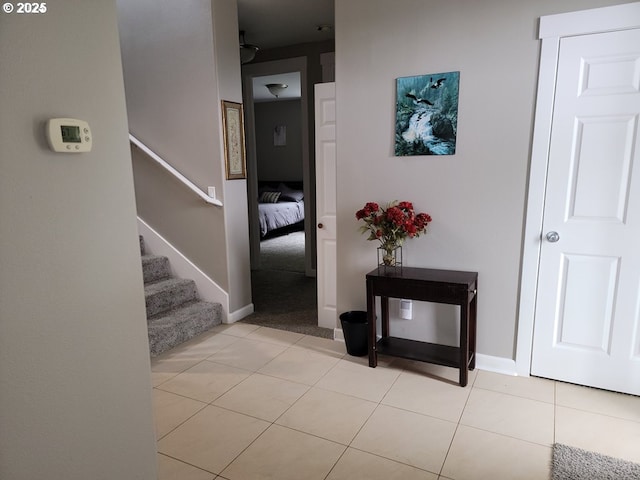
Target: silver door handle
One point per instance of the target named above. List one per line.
(553, 237)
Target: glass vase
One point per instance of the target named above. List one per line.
(389, 259)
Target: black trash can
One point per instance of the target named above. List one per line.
(354, 328)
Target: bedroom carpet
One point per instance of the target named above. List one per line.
(283, 297)
(285, 252)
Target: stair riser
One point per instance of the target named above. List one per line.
(174, 313)
(172, 330)
(170, 297)
(155, 268)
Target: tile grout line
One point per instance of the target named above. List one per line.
(455, 431)
(190, 464)
(197, 362)
(555, 412)
(272, 423)
(207, 404)
(378, 404)
(244, 449)
(185, 420)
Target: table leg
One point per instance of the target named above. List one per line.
(384, 306)
(371, 326)
(464, 343)
(472, 330)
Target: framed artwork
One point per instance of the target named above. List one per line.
(234, 153)
(427, 114)
(280, 135)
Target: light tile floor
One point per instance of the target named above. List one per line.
(243, 402)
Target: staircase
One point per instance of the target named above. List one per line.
(174, 312)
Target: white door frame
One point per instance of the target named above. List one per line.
(552, 28)
(297, 64)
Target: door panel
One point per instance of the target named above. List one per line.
(585, 320)
(588, 302)
(325, 112)
(602, 194)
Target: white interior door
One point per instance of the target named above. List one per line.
(587, 320)
(325, 118)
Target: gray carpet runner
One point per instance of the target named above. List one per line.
(175, 313)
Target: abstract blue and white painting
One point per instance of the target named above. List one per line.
(427, 114)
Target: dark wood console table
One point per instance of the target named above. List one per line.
(428, 285)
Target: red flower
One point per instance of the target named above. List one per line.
(392, 224)
(421, 220)
(395, 215)
(370, 208)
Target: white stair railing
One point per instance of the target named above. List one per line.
(174, 172)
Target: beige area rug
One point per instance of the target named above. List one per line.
(570, 463)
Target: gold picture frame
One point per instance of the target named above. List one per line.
(234, 152)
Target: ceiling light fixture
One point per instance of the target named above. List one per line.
(247, 50)
(276, 89)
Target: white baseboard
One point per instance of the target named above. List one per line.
(506, 366)
(182, 267)
(338, 335)
(239, 314)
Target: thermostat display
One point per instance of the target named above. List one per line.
(69, 135)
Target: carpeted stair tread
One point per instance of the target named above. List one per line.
(155, 267)
(174, 311)
(168, 329)
(167, 294)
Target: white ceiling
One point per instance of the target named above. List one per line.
(278, 23)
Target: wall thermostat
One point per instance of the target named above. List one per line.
(68, 135)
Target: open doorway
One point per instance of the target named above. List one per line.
(282, 209)
(281, 197)
(290, 70)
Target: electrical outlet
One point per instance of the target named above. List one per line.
(212, 192)
(406, 309)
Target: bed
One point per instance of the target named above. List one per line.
(280, 206)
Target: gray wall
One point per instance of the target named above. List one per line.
(172, 106)
(477, 196)
(312, 51)
(227, 55)
(180, 61)
(75, 386)
(278, 162)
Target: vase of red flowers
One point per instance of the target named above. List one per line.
(391, 225)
